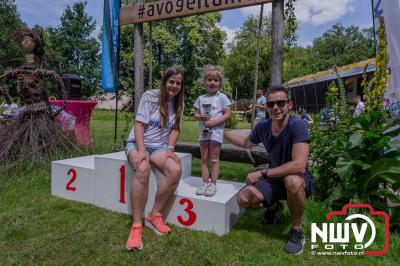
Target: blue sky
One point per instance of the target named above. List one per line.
(314, 16)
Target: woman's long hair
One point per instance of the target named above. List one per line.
(178, 99)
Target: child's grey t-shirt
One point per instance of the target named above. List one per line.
(148, 112)
(218, 103)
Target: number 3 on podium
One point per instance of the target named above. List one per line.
(192, 215)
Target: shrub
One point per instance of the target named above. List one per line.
(328, 139)
(233, 121)
(367, 166)
(357, 159)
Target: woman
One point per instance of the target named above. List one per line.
(152, 142)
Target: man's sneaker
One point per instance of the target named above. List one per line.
(271, 216)
(157, 224)
(135, 238)
(201, 189)
(296, 242)
(210, 190)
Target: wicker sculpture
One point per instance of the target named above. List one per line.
(33, 134)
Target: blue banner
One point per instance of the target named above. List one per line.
(110, 45)
(377, 13)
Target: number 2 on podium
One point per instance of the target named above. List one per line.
(73, 178)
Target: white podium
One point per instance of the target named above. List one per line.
(73, 179)
(215, 214)
(104, 180)
(113, 179)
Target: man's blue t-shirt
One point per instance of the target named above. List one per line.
(279, 149)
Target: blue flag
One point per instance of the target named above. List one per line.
(110, 45)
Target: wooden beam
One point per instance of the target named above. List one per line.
(277, 42)
(256, 155)
(165, 9)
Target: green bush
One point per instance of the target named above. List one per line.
(329, 139)
(248, 117)
(367, 166)
(354, 159)
(189, 118)
(232, 122)
(358, 163)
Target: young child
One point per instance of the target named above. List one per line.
(212, 110)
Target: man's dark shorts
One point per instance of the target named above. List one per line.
(273, 189)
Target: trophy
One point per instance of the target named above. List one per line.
(206, 111)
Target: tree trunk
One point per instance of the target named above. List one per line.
(277, 42)
(256, 155)
(139, 62)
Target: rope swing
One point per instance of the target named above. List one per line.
(260, 22)
(151, 55)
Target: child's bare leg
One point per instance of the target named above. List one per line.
(215, 149)
(205, 152)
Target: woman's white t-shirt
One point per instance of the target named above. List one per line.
(148, 112)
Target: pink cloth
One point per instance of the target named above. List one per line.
(82, 110)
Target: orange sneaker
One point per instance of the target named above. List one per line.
(157, 224)
(135, 238)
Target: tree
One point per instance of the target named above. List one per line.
(343, 45)
(10, 53)
(277, 37)
(239, 64)
(190, 42)
(73, 44)
(201, 43)
(298, 62)
(338, 46)
(290, 36)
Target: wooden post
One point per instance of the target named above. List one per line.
(139, 62)
(277, 42)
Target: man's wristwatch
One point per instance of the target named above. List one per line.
(264, 172)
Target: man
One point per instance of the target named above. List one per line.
(286, 140)
(260, 106)
(360, 106)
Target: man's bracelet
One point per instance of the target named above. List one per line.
(172, 148)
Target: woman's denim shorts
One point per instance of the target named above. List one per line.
(130, 145)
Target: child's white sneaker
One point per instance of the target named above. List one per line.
(201, 189)
(210, 190)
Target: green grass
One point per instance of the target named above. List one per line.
(37, 228)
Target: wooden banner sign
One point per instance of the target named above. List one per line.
(164, 9)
